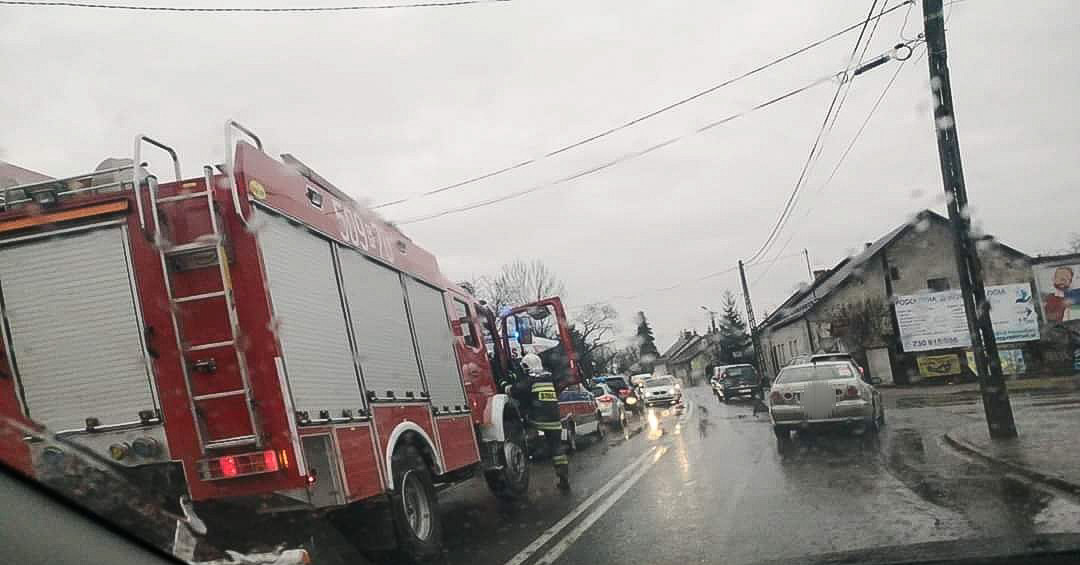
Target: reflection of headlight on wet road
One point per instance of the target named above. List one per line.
(654, 422)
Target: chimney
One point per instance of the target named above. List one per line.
(818, 273)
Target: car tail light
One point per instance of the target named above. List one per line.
(242, 465)
(603, 399)
(852, 393)
(784, 397)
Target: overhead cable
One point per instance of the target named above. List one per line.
(617, 160)
(640, 118)
(789, 205)
(242, 9)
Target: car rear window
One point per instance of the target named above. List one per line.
(616, 383)
(815, 373)
(740, 371)
(598, 391)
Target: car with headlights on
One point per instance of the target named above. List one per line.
(664, 390)
(815, 395)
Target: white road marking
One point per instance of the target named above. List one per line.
(587, 522)
(559, 526)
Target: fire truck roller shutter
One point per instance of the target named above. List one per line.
(381, 326)
(436, 343)
(75, 329)
(310, 319)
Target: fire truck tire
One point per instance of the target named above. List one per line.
(415, 507)
(511, 482)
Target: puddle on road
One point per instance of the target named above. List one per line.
(992, 502)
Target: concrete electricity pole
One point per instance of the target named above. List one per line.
(759, 355)
(995, 397)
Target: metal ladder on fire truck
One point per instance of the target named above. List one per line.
(210, 244)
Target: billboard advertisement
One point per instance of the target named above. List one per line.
(1058, 285)
(936, 320)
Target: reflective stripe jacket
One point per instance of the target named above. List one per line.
(541, 401)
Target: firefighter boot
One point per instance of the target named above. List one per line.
(563, 472)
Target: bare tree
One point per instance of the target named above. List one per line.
(521, 282)
(593, 333)
(860, 326)
(1074, 243)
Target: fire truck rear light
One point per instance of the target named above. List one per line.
(242, 465)
(270, 460)
(228, 467)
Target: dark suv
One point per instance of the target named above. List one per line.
(739, 381)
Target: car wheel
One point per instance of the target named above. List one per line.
(415, 507)
(571, 438)
(782, 434)
(600, 431)
(881, 416)
(512, 480)
(875, 421)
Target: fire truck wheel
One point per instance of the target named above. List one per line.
(415, 507)
(512, 480)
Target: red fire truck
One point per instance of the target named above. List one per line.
(252, 338)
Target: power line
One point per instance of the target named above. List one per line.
(789, 205)
(853, 141)
(616, 161)
(715, 274)
(346, 8)
(844, 90)
(643, 117)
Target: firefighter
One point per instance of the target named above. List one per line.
(537, 392)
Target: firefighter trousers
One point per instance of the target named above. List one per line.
(553, 441)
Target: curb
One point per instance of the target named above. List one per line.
(1033, 474)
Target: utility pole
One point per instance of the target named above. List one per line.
(995, 396)
(759, 355)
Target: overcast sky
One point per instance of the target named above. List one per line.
(390, 103)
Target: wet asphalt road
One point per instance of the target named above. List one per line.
(707, 484)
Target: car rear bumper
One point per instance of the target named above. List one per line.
(845, 411)
(735, 391)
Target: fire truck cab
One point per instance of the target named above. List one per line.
(252, 337)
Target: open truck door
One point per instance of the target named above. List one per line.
(542, 328)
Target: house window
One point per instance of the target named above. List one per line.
(937, 285)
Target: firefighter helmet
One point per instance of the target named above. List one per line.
(532, 364)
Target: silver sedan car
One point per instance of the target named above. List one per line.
(823, 394)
